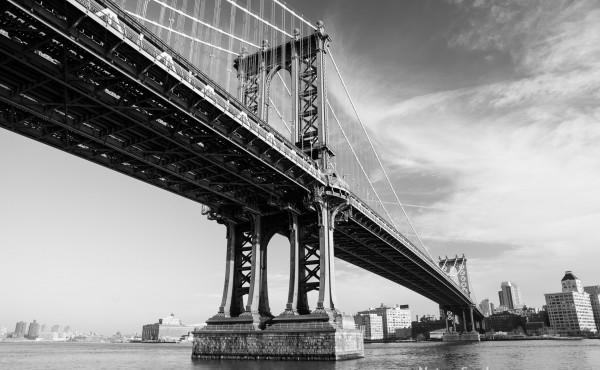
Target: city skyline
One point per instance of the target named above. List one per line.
(487, 128)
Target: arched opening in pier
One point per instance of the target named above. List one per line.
(278, 273)
(279, 114)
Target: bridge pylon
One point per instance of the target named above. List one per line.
(309, 229)
(461, 315)
(244, 327)
(304, 59)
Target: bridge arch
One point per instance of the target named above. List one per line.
(278, 113)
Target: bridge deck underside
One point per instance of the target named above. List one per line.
(69, 83)
(108, 104)
(358, 243)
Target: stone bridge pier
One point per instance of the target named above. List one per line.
(245, 328)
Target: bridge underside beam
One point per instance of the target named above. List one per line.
(70, 81)
(105, 102)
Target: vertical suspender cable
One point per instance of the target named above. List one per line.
(193, 45)
(376, 155)
(229, 57)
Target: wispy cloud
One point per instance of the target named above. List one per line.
(516, 160)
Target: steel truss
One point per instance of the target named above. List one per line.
(75, 83)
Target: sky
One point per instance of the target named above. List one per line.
(484, 113)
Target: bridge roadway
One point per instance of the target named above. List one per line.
(85, 81)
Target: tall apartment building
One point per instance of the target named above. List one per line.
(54, 329)
(594, 292)
(487, 308)
(394, 319)
(21, 329)
(570, 311)
(371, 325)
(34, 330)
(510, 295)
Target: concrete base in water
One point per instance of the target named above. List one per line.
(284, 340)
(464, 337)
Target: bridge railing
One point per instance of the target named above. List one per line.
(164, 56)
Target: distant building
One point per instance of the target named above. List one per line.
(486, 307)
(54, 329)
(537, 323)
(424, 328)
(397, 317)
(21, 329)
(426, 318)
(505, 322)
(67, 329)
(594, 292)
(168, 328)
(53, 336)
(371, 325)
(43, 329)
(3, 332)
(34, 330)
(570, 311)
(510, 295)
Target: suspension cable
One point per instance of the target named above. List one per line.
(205, 24)
(359, 163)
(181, 33)
(280, 116)
(258, 18)
(294, 14)
(374, 151)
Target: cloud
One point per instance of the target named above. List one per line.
(511, 167)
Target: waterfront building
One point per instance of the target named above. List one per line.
(487, 308)
(34, 330)
(166, 329)
(371, 325)
(3, 331)
(594, 292)
(510, 295)
(426, 318)
(538, 323)
(397, 317)
(54, 329)
(506, 322)
(425, 328)
(570, 311)
(21, 329)
(67, 329)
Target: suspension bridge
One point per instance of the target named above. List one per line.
(239, 106)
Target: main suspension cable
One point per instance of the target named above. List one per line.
(375, 152)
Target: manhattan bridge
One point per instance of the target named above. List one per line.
(239, 106)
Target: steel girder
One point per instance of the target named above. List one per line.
(68, 86)
(69, 82)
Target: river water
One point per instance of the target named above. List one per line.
(543, 354)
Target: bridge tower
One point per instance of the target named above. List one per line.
(244, 315)
(457, 267)
(304, 59)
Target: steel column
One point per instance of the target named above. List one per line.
(326, 302)
(472, 321)
(252, 305)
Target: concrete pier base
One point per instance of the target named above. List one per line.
(290, 338)
(464, 337)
